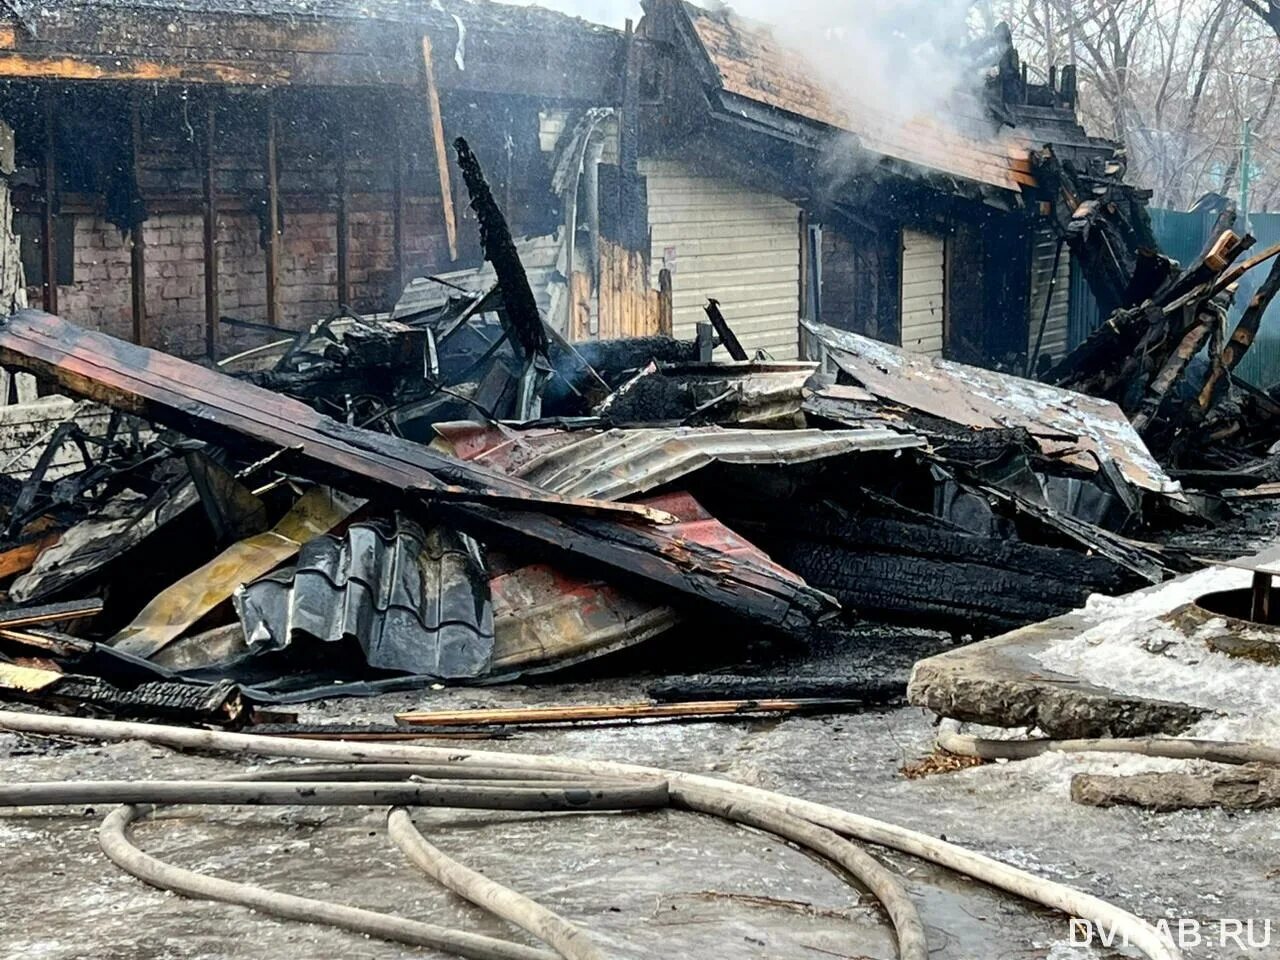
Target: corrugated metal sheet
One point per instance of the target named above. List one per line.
(738, 245)
(1072, 427)
(924, 288)
(546, 619)
(1051, 288)
(416, 601)
(751, 63)
(539, 255)
(616, 464)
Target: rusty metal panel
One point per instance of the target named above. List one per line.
(752, 64)
(1073, 427)
(545, 619)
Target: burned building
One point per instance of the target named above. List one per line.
(181, 162)
(194, 175)
(925, 231)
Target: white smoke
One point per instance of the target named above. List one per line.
(901, 58)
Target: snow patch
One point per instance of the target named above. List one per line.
(1129, 650)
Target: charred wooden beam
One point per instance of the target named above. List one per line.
(437, 138)
(1135, 344)
(211, 293)
(625, 712)
(1241, 338)
(1173, 369)
(727, 337)
(272, 219)
(138, 243)
(206, 404)
(49, 209)
(343, 231)
(397, 204)
(500, 250)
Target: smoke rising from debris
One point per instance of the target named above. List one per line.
(900, 58)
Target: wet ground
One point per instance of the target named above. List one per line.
(647, 885)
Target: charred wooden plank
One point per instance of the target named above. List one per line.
(500, 250)
(623, 712)
(210, 217)
(271, 219)
(49, 209)
(727, 337)
(1172, 370)
(1242, 337)
(159, 699)
(49, 613)
(138, 244)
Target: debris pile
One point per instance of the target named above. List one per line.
(458, 495)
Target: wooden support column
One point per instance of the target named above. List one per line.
(397, 202)
(442, 156)
(138, 245)
(344, 233)
(273, 217)
(211, 305)
(49, 210)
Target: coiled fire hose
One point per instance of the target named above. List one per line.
(687, 791)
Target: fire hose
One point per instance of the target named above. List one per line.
(952, 740)
(687, 791)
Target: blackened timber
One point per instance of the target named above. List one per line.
(727, 337)
(397, 205)
(211, 298)
(920, 571)
(272, 218)
(500, 250)
(344, 274)
(208, 405)
(1173, 369)
(49, 209)
(1242, 337)
(138, 244)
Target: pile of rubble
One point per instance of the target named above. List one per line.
(458, 495)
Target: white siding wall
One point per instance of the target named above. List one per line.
(1056, 330)
(924, 283)
(737, 245)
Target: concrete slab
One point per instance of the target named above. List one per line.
(1151, 662)
(1001, 683)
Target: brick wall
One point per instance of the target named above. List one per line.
(101, 296)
